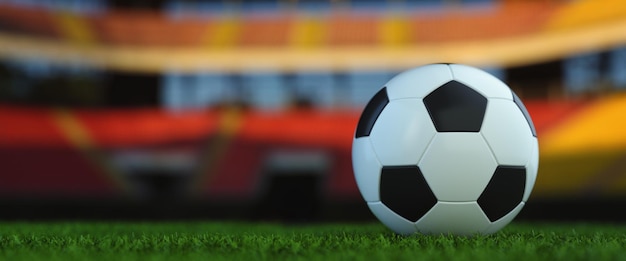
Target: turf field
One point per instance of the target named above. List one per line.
(266, 241)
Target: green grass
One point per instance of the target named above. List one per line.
(264, 241)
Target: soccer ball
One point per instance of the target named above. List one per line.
(445, 149)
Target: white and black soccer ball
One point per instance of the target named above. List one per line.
(445, 149)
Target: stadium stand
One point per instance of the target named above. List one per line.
(339, 40)
(75, 29)
(28, 21)
(577, 14)
(123, 27)
(520, 18)
(217, 79)
(40, 160)
(581, 133)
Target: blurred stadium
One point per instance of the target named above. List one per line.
(247, 108)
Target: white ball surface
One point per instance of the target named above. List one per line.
(445, 149)
(450, 159)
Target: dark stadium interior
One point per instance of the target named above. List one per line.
(137, 4)
(130, 90)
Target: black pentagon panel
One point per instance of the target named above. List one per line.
(521, 106)
(504, 192)
(455, 107)
(373, 108)
(404, 190)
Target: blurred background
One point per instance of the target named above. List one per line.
(246, 108)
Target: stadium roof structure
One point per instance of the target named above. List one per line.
(507, 33)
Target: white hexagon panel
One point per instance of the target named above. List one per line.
(531, 170)
(458, 166)
(458, 218)
(508, 134)
(430, 77)
(392, 220)
(485, 83)
(401, 132)
(370, 168)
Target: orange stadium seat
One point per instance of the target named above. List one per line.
(505, 20)
(546, 114)
(110, 129)
(32, 21)
(29, 127)
(265, 31)
(352, 29)
(188, 32)
(148, 29)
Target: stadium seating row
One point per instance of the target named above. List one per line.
(578, 14)
(151, 28)
(586, 144)
(596, 128)
(39, 161)
(502, 34)
(119, 27)
(109, 128)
